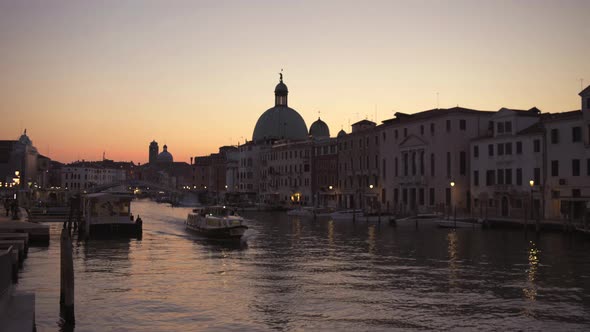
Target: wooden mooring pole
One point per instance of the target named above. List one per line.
(66, 294)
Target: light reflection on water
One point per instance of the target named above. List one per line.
(300, 274)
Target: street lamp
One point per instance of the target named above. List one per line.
(452, 207)
(532, 184)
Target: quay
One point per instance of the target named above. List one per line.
(17, 309)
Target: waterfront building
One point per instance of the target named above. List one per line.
(324, 165)
(424, 159)
(568, 165)
(216, 174)
(503, 163)
(285, 177)
(19, 156)
(264, 163)
(82, 175)
(359, 182)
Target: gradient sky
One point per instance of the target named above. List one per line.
(91, 76)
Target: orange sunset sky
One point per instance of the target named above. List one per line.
(85, 77)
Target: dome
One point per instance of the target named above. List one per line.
(24, 139)
(319, 129)
(341, 133)
(281, 88)
(280, 122)
(165, 156)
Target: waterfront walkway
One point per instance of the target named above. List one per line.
(17, 309)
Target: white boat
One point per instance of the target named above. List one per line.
(110, 214)
(450, 223)
(218, 222)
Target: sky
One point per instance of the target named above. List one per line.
(87, 77)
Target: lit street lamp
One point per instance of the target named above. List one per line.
(453, 209)
(532, 184)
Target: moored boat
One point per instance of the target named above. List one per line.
(463, 223)
(219, 222)
(110, 214)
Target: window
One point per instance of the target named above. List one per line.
(518, 147)
(448, 125)
(448, 164)
(395, 195)
(421, 196)
(448, 196)
(554, 168)
(575, 167)
(500, 176)
(405, 196)
(508, 148)
(576, 193)
(432, 164)
(431, 196)
(500, 127)
(475, 151)
(395, 169)
(554, 136)
(537, 176)
(576, 134)
(490, 177)
(432, 128)
(422, 163)
(519, 176)
(413, 163)
(405, 132)
(587, 102)
(462, 124)
(490, 150)
(462, 163)
(406, 164)
(384, 168)
(537, 145)
(476, 178)
(500, 149)
(395, 134)
(508, 176)
(508, 126)
(421, 129)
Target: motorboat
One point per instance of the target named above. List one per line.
(218, 222)
(460, 223)
(109, 214)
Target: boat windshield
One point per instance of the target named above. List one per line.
(219, 211)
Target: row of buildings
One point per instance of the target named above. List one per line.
(508, 163)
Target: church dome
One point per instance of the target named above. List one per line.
(281, 88)
(165, 156)
(341, 133)
(319, 129)
(280, 121)
(24, 139)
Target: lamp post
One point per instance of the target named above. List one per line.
(532, 184)
(452, 206)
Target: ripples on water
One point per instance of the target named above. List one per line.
(300, 274)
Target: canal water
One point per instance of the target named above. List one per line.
(300, 274)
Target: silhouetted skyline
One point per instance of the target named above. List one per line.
(87, 77)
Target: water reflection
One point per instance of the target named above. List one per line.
(530, 290)
(452, 251)
(371, 239)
